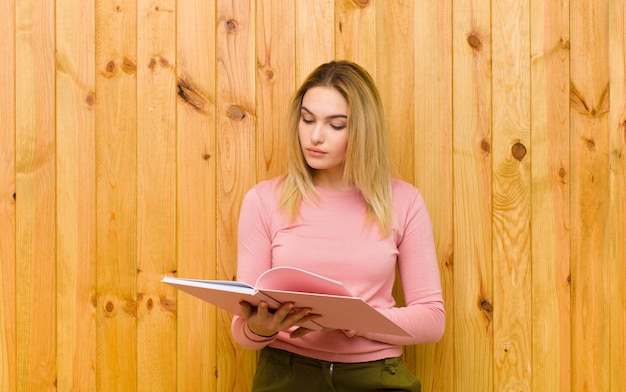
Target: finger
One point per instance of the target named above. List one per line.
(246, 309)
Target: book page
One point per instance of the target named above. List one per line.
(298, 280)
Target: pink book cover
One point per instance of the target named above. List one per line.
(331, 299)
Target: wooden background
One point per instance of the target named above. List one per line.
(131, 130)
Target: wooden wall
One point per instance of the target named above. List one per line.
(130, 131)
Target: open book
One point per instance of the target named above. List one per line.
(329, 298)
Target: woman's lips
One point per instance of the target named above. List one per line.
(316, 152)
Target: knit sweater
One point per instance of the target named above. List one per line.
(333, 237)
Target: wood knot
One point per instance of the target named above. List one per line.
(109, 69)
(90, 99)
(474, 42)
(150, 304)
(519, 151)
(163, 62)
(362, 3)
(129, 66)
(235, 112)
(486, 306)
(192, 96)
(168, 305)
(152, 64)
(485, 146)
(231, 26)
(206, 156)
(109, 308)
(591, 145)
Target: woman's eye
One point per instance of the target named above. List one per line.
(337, 127)
(307, 120)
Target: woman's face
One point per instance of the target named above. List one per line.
(323, 131)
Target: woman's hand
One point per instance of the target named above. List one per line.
(263, 322)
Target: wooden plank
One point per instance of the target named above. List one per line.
(432, 94)
(196, 189)
(35, 188)
(156, 194)
(236, 164)
(314, 43)
(473, 295)
(76, 195)
(394, 28)
(511, 195)
(355, 33)
(8, 341)
(116, 173)
(589, 96)
(550, 220)
(614, 275)
(275, 84)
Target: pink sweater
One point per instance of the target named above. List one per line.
(332, 238)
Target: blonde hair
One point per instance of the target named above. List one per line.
(367, 164)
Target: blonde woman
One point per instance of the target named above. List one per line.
(339, 213)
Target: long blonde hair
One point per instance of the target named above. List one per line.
(367, 164)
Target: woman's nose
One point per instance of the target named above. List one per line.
(317, 136)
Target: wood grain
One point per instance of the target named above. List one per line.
(314, 36)
(550, 218)
(355, 33)
(156, 194)
(472, 145)
(116, 196)
(196, 189)
(275, 52)
(433, 169)
(8, 341)
(236, 167)
(35, 217)
(511, 175)
(589, 192)
(75, 194)
(614, 247)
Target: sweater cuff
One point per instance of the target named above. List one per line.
(254, 337)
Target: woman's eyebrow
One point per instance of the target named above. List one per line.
(304, 108)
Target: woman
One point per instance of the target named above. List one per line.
(338, 213)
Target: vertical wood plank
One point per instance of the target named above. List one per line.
(394, 26)
(473, 296)
(275, 38)
(355, 33)
(76, 258)
(7, 200)
(615, 243)
(236, 118)
(511, 195)
(433, 168)
(156, 194)
(394, 29)
(35, 189)
(550, 195)
(314, 43)
(589, 105)
(116, 195)
(196, 188)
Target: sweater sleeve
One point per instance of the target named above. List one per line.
(423, 315)
(254, 256)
